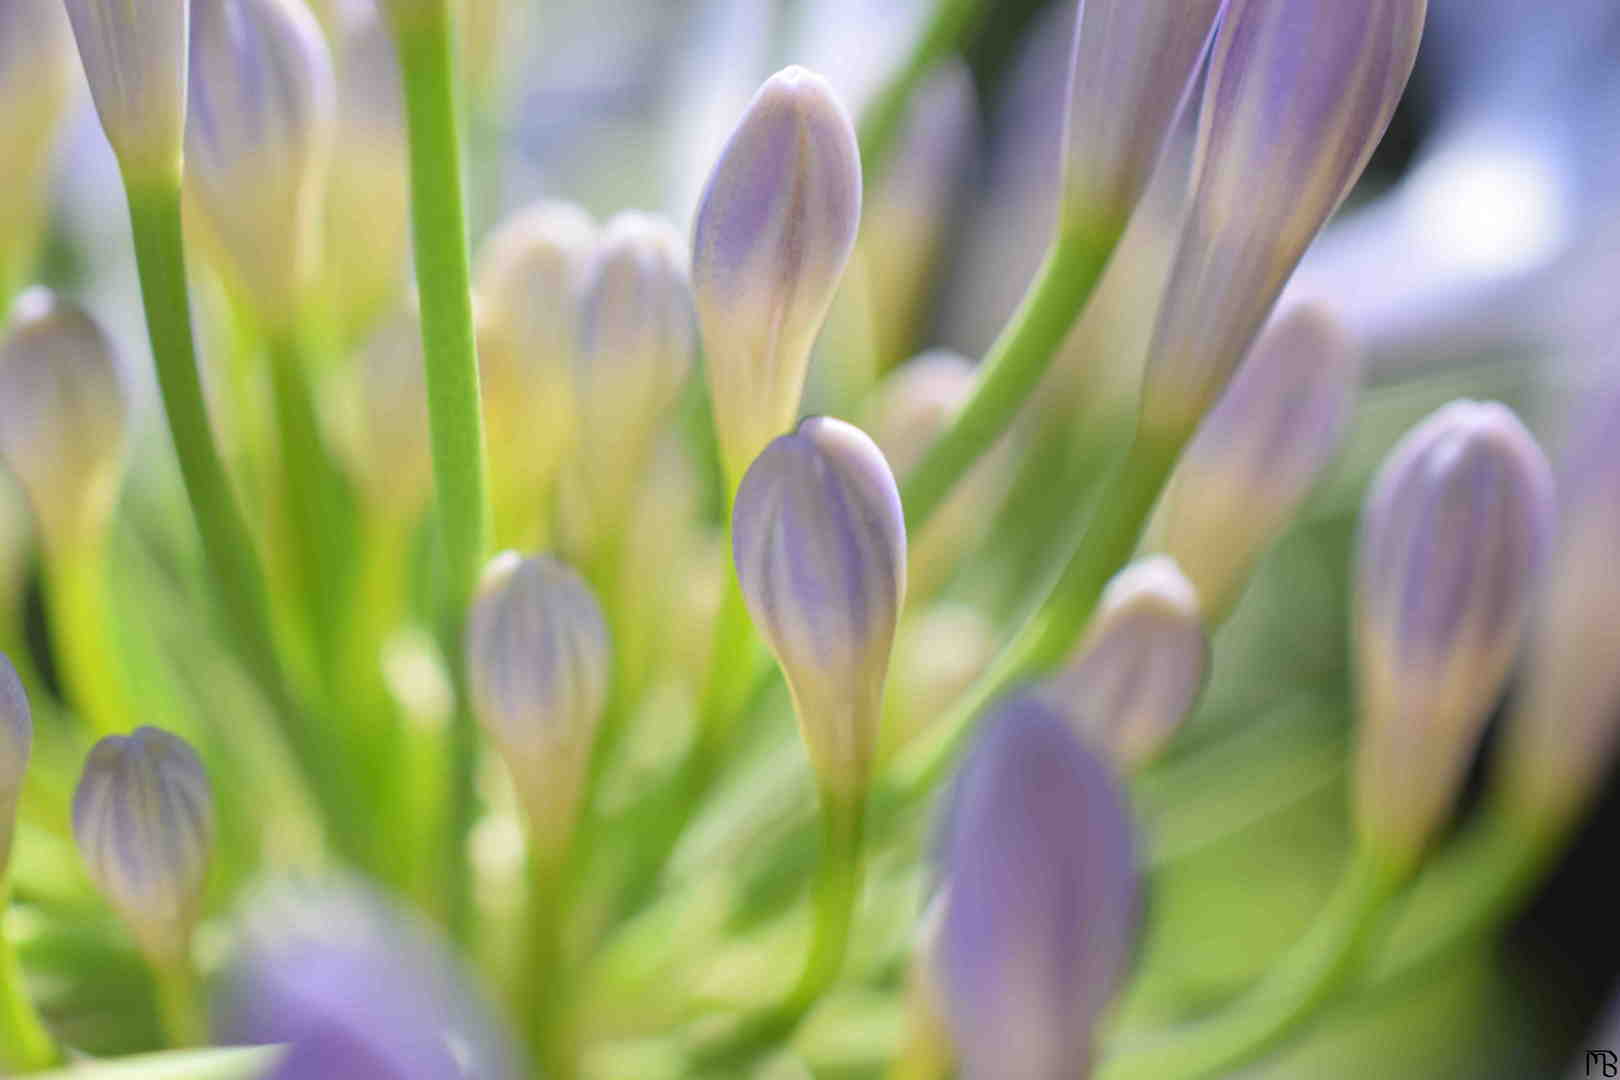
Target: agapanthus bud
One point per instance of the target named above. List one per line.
(1133, 63)
(1042, 907)
(538, 662)
(820, 545)
(636, 345)
(1139, 671)
(1564, 732)
(1299, 94)
(1452, 536)
(36, 76)
(16, 741)
(775, 229)
(1258, 453)
(134, 57)
(143, 816)
(530, 275)
(393, 461)
(64, 414)
(258, 143)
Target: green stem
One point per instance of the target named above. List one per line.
(439, 221)
(544, 1003)
(180, 1007)
(1014, 365)
(1305, 979)
(82, 631)
(25, 1045)
(885, 117)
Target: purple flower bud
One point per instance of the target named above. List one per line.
(134, 57)
(1258, 453)
(1452, 536)
(16, 741)
(143, 815)
(258, 144)
(1133, 63)
(354, 988)
(636, 345)
(1140, 669)
(1562, 738)
(538, 660)
(64, 414)
(774, 231)
(820, 544)
(1042, 906)
(1299, 94)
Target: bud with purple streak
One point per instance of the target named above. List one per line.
(820, 545)
(64, 415)
(539, 661)
(1141, 667)
(1042, 907)
(1258, 453)
(16, 742)
(134, 57)
(1299, 94)
(143, 816)
(1453, 535)
(258, 145)
(775, 229)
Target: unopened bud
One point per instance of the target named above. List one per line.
(64, 414)
(820, 545)
(258, 144)
(538, 660)
(392, 458)
(1133, 63)
(775, 229)
(1299, 94)
(16, 741)
(1258, 453)
(1452, 536)
(1139, 671)
(636, 348)
(143, 816)
(134, 57)
(1042, 908)
(36, 77)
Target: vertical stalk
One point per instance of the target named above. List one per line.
(545, 1002)
(439, 220)
(180, 1005)
(82, 630)
(25, 1045)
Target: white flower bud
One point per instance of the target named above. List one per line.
(36, 76)
(538, 660)
(1139, 671)
(134, 57)
(259, 142)
(143, 816)
(775, 229)
(64, 414)
(820, 545)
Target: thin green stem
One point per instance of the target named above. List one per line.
(25, 1045)
(179, 999)
(885, 117)
(82, 630)
(1306, 978)
(439, 221)
(1014, 365)
(545, 1005)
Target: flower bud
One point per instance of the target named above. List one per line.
(775, 229)
(1139, 671)
(143, 816)
(36, 76)
(134, 57)
(1042, 904)
(820, 545)
(393, 460)
(64, 414)
(636, 345)
(1133, 63)
(1453, 533)
(538, 660)
(258, 144)
(16, 741)
(1562, 737)
(1258, 453)
(530, 274)
(1299, 93)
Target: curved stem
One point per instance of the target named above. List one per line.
(25, 1045)
(1306, 978)
(82, 631)
(439, 221)
(1014, 365)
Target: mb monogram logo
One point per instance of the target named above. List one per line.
(1602, 1063)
